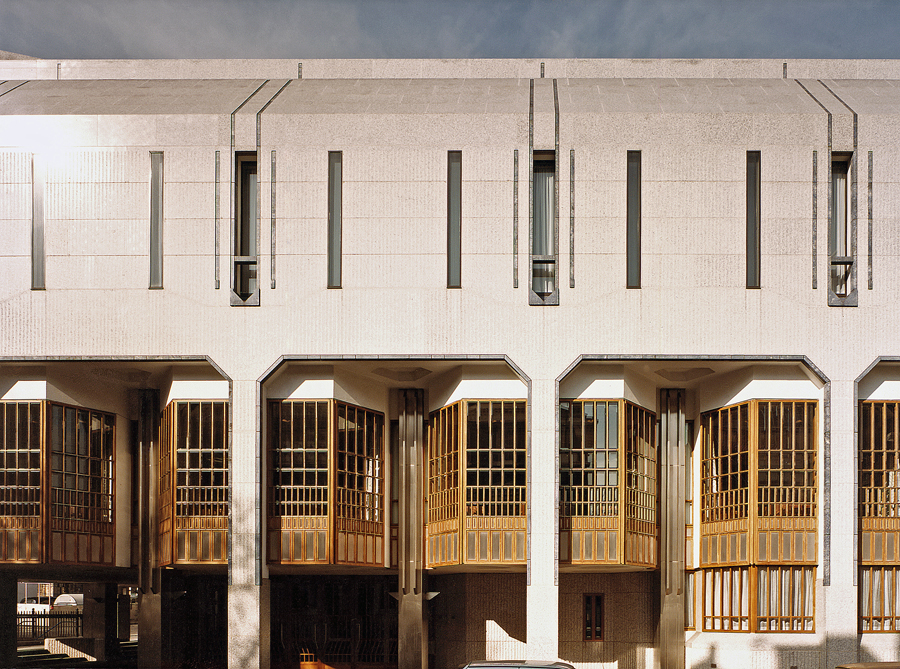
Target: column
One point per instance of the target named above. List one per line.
(542, 593)
(99, 622)
(248, 592)
(840, 607)
(156, 648)
(7, 620)
(671, 528)
(411, 637)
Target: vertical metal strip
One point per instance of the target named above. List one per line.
(38, 183)
(530, 186)
(854, 209)
(231, 211)
(826, 501)
(259, 182)
(815, 204)
(572, 218)
(851, 298)
(815, 182)
(871, 227)
(272, 221)
(556, 162)
(216, 243)
(515, 248)
(828, 205)
(271, 184)
(157, 183)
(556, 477)
(259, 545)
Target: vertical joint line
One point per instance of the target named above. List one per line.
(556, 162)
(854, 183)
(515, 218)
(38, 189)
(216, 243)
(571, 218)
(530, 183)
(870, 220)
(815, 204)
(272, 221)
(826, 539)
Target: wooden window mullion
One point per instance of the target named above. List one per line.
(753, 482)
(45, 482)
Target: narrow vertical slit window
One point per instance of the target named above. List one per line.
(454, 219)
(156, 219)
(543, 233)
(38, 179)
(593, 617)
(633, 235)
(246, 252)
(753, 201)
(335, 181)
(839, 228)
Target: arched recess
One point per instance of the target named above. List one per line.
(414, 465)
(876, 547)
(734, 507)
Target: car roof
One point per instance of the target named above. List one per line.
(537, 664)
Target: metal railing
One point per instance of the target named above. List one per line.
(52, 625)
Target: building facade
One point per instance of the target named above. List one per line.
(377, 364)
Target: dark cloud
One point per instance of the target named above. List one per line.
(451, 29)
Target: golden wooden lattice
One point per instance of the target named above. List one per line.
(326, 483)
(193, 482)
(608, 483)
(759, 502)
(487, 485)
(879, 516)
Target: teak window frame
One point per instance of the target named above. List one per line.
(482, 522)
(878, 472)
(193, 518)
(342, 534)
(71, 505)
(592, 628)
(626, 529)
(761, 516)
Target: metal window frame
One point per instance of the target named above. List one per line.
(335, 217)
(754, 197)
(157, 186)
(633, 221)
(242, 158)
(454, 219)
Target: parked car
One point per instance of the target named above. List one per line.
(63, 601)
(516, 664)
(33, 605)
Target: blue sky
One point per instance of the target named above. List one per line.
(451, 29)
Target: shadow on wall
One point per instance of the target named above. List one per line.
(477, 617)
(730, 651)
(629, 617)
